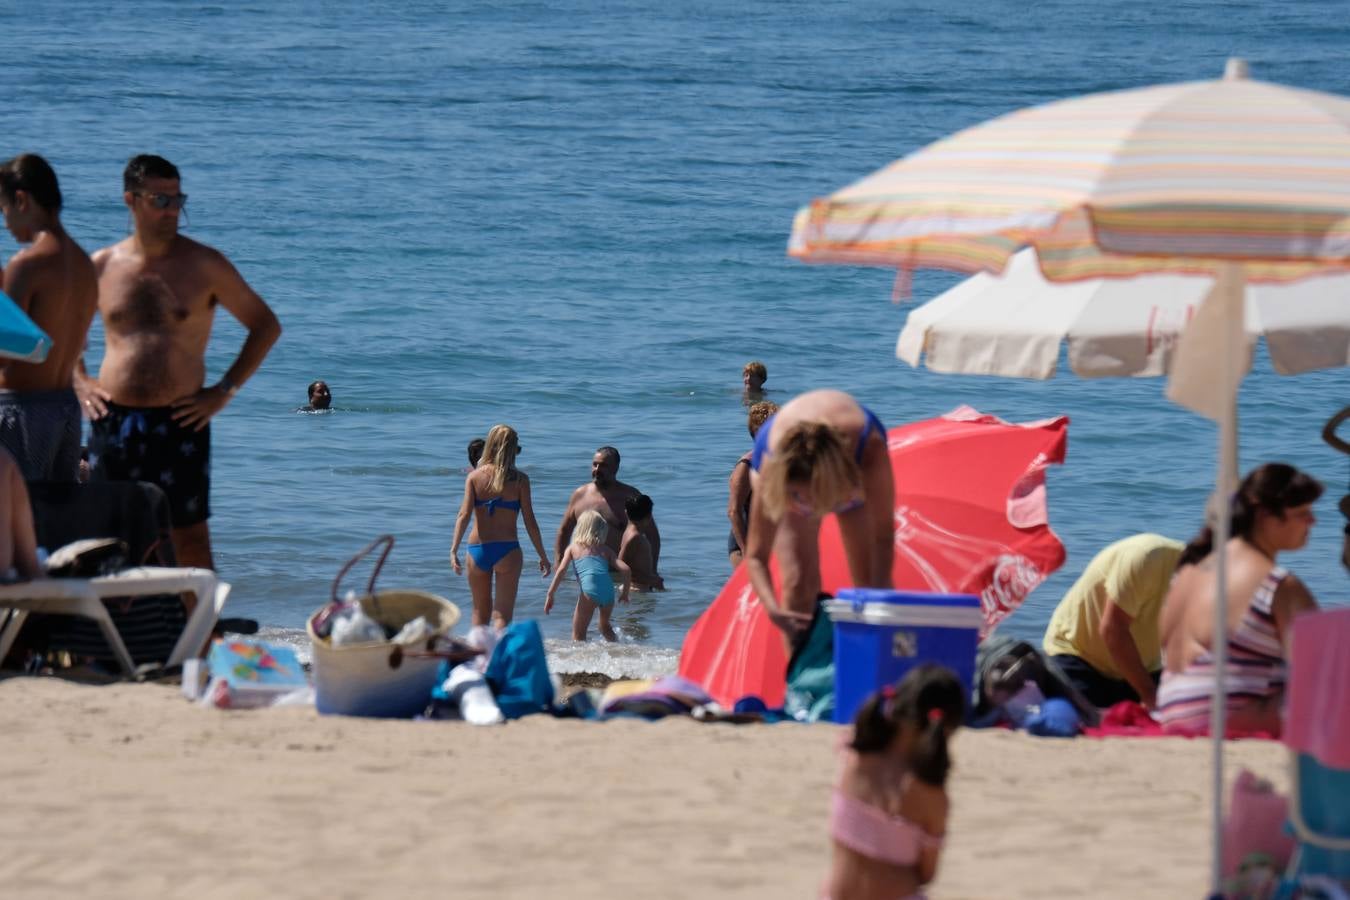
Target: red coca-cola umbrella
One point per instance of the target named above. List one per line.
(970, 518)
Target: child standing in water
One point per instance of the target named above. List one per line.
(592, 559)
(889, 811)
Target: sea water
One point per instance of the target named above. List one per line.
(572, 218)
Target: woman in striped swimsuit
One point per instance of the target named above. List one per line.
(1272, 512)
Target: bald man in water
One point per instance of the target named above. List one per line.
(150, 406)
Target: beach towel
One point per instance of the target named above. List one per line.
(1316, 721)
(670, 695)
(1130, 719)
(810, 672)
(518, 671)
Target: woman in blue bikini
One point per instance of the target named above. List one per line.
(494, 493)
(822, 453)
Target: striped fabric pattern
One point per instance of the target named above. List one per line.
(1255, 670)
(1174, 178)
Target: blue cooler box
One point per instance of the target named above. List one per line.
(880, 635)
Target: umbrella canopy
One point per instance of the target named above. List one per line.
(19, 338)
(1013, 324)
(1173, 178)
(1238, 179)
(970, 515)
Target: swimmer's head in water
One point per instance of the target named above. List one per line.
(591, 529)
(759, 414)
(754, 375)
(639, 508)
(319, 395)
(605, 466)
(475, 451)
(500, 452)
(810, 472)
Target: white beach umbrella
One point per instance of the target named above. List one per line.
(1014, 324)
(1238, 180)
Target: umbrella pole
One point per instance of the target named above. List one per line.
(1221, 509)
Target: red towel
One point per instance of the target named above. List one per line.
(1129, 719)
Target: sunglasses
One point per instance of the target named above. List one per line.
(163, 201)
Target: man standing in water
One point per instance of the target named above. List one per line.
(608, 496)
(53, 281)
(150, 407)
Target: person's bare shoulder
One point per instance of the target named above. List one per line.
(103, 256)
(1294, 595)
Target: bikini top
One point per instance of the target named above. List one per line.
(498, 503)
(875, 833)
(871, 424)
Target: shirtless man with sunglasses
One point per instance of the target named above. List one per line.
(150, 405)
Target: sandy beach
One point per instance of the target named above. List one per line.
(130, 791)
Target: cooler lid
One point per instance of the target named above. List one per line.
(880, 595)
(913, 614)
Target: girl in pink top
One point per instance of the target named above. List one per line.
(889, 810)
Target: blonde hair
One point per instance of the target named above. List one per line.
(759, 414)
(591, 529)
(810, 452)
(500, 452)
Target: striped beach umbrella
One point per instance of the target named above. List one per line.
(1240, 180)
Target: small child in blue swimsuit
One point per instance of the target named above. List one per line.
(592, 560)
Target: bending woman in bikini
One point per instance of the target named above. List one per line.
(494, 493)
(823, 452)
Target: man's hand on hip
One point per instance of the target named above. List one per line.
(196, 410)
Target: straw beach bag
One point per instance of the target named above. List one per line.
(386, 678)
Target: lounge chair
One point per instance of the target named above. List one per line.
(137, 616)
(1317, 730)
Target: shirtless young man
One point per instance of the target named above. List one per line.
(151, 411)
(53, 281)
(607, 495)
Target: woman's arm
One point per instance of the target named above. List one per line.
(759, 547)
(879, 491)
(532, 526)
(461, 524)
(738, 489)
(1292, 598)
(557, 577)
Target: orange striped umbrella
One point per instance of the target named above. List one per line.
(1174, 178)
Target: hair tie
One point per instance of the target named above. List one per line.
(934, 715)
(888, 692)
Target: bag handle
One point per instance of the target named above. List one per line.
(388, 541)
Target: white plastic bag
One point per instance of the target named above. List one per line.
(353, 626)
(419, 629)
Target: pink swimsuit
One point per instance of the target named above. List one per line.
(875, 833)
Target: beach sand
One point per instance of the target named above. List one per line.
(130, 791)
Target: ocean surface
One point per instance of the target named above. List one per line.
(572, 218)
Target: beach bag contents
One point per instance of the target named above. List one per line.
(371, 656)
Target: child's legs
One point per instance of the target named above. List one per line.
(480, 588)
(508, 582)
(581, 619)
(606, 629)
